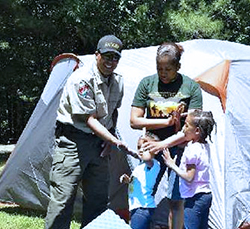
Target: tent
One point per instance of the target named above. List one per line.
(222, 68)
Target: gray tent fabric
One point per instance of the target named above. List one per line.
(237, 147)
(25, 177)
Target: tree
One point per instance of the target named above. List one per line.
(235, 18)
(33, 32)
(193, 19)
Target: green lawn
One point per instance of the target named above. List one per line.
(2, 163)
(15, 217)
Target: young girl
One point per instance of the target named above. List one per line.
(141, 183)
(194, 169)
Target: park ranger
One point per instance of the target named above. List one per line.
(86, 120)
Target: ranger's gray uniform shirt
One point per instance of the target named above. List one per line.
(87, 92)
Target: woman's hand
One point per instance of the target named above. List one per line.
(177, 115)
(139, 121)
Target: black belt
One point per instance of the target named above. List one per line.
(66, 129)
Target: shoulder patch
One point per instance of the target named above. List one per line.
(84, 90)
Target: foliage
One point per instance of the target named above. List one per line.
(33, 32)
(194, 20)
(235, 17)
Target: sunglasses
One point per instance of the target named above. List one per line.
(110, 57)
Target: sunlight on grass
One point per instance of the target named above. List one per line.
(14, 217)
(10, 221)
(2, 164)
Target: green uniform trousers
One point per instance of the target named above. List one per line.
(77, 160)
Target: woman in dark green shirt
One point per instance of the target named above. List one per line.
(156, 100)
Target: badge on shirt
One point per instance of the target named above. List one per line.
(83, 90)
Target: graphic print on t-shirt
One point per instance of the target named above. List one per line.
(162, 104)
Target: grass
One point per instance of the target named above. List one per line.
(15, 217)
(12, 216)
(3, 159)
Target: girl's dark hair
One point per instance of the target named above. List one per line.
(205, 121)
(170, 49)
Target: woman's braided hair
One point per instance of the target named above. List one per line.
(204, 121)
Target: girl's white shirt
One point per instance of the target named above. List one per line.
(198, 154)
